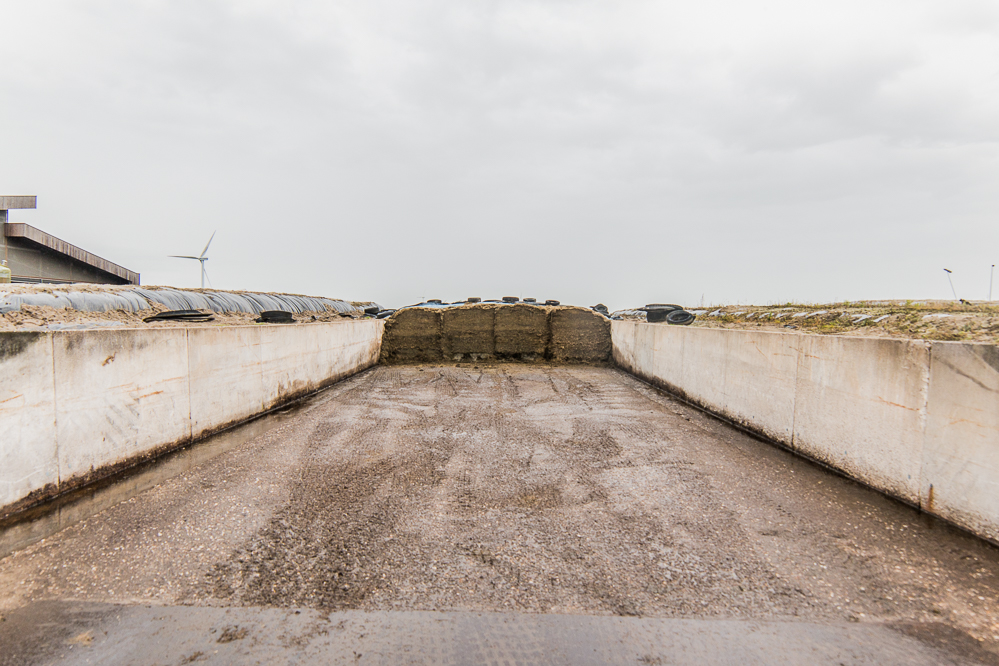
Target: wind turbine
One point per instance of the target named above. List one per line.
(202, 258)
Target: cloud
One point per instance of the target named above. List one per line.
(589, 150)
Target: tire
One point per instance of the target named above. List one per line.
(201, 316)
(551, 302)
(177, 314)
(510, 299)
(657, 316)
(669, 307)
(680, 318)
(275, 317)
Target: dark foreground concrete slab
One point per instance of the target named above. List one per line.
(96, 633)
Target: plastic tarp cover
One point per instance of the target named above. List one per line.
(134, 300)
(59, 301)
(250, 303)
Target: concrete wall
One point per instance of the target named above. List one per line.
(917, 420)
(29, 260)
(960, 478)
(77, 405)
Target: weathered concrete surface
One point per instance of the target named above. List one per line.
(763, 394)
(88, 633)
(960, 475)
(899, 415)
(118, 395)
(497, 332)
(751, 378)
(296, 360)
(860, 406)
(29, 459)
(44, 520)
(528, 488)
(77, 405)
(225, 374)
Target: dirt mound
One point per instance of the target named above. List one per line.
(41, 317)
(913, 320)
(497, 332)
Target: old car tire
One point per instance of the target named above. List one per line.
(680, 318)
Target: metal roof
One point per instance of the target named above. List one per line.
(29, 232)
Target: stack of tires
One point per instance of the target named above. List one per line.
(675, 315)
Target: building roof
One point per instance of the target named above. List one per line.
(8, 202)
(38, 236)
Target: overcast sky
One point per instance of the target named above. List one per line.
(624, 152)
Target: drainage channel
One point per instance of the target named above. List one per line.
(35, 524)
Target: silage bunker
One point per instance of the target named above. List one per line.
(497, 332)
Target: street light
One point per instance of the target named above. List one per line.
(948, 271)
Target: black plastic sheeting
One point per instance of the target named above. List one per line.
(133, 300)
(182, 315)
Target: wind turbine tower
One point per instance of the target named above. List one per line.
(202, 258)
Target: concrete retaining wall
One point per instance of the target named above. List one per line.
(917, 420)
(77, 405)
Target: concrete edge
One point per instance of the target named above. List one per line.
(965, 521)
(41, 502)
(120, 388)
(38, 500)
(760, 435)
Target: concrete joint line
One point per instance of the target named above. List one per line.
(793, 444)
(190, 414)
(925, 503)
(55, 413)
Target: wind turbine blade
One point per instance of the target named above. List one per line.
(209, 243)
(183, 256)
(206, 275)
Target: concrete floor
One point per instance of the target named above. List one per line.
(426, 514)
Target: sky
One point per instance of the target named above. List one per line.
(625, 152)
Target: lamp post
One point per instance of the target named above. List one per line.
(948, 271)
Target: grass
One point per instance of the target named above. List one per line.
(977, 322)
